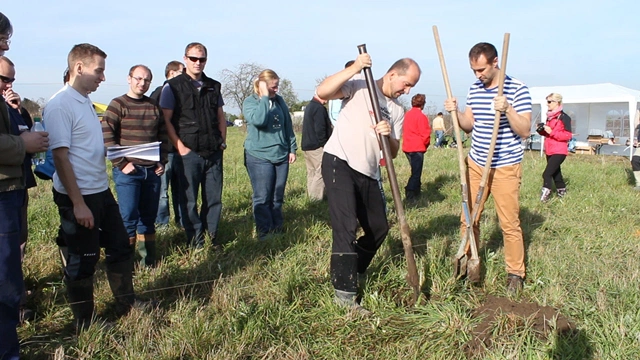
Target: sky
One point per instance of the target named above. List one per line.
(552, 42)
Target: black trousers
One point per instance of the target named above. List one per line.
(353, 198)
(416, 161)
(83, 243)
(552, 173)
(635, 163)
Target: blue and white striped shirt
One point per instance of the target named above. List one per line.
(508, 149)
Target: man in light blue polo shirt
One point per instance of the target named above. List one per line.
(89, 215)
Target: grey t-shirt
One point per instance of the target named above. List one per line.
(72, 122)
(353, 139)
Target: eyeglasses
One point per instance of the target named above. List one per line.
(550, 101)
(7, 80)
(5, 41)
(141, 79)
(196, 59)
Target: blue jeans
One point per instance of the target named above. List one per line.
(439, 137)
(138, 194)
(268, 181)
(416, 160)
(167, 179)
(195, 172)
(11, 281)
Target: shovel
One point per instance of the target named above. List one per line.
(405, 232)
(460, 259)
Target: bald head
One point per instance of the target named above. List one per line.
(403, 65)
(400, 78)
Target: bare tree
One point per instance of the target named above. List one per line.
(430, 109)
(405, 102)
(33, 107)
(237, 84)
(321, 79)
(288, 94)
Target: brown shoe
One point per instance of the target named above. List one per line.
(514, 283)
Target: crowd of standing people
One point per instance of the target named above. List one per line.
(185, 117)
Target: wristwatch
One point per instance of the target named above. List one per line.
(223, 146)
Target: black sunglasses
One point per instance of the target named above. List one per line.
(7, 80)
(550, 101)
(196, 59)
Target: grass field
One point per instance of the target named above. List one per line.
(274, 300)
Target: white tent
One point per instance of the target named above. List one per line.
(594, 109)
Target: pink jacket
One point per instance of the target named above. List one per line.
(556, 143)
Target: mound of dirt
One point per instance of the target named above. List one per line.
(540, 318)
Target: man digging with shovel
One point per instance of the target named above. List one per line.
(506, 169)
(350, 168)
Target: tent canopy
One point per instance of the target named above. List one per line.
(595, 109)
(593, 93)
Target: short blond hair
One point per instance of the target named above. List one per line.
(266, 76)
(196, 45)
(555, 97)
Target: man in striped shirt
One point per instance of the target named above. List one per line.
(506, 169)
(134, 119)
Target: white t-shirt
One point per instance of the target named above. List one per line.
(71, 121)
(353, 140)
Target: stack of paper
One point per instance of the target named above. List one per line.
(150, 151)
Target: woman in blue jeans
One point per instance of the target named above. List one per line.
(269, 148)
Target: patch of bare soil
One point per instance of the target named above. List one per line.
(542, 319)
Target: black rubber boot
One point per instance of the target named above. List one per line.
(344, 271)
(344, 277)
(80, 297)
(411, 195)
(120, 276)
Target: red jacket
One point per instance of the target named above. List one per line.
(416, 133)
(556, 143)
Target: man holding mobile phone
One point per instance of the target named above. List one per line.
(13, 148)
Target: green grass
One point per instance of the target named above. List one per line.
(274, 300)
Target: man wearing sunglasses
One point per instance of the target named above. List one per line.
(13, 147)
(192, 106)
(21, 121)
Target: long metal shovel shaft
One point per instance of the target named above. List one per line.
(405, 232)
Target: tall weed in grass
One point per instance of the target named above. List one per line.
(273, 299)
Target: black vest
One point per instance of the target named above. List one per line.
(195, 114)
